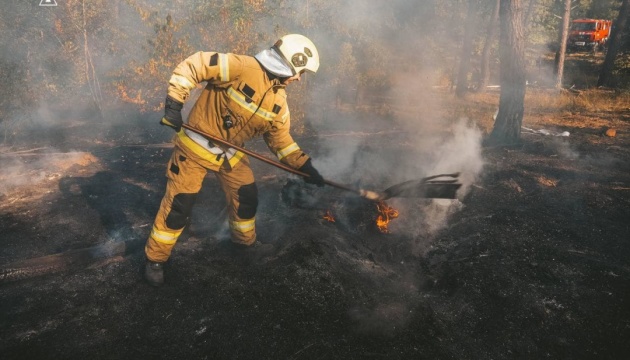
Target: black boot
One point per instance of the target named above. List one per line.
(154, 273)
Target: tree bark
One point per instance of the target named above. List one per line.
(484, 77)
(614, 43)
(507, 125)
(464, 60)
(564, 34)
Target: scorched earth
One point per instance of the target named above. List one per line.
(531, 262)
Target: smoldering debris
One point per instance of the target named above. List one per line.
(31, 167)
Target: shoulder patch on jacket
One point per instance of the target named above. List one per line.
(248, 91)
(214, 59)
(276, 109)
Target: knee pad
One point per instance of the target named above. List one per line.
(180, 211)
(248, 201)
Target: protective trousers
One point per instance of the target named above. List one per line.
(185, 173)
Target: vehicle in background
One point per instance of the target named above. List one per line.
(588, 34)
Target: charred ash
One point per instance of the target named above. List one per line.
(352, 213)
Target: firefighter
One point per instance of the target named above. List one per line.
(244, 97)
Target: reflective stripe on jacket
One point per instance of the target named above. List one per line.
(201, 146)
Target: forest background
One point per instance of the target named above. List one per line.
(110, 60)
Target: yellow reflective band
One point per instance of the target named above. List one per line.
(243, 226)
(235, 158)
(165, 237)
(285, 117)
(287, 150)
(166, 122)
(182, 81)
(198, 149)
(224, 68)
(250, 106)
(203, 152)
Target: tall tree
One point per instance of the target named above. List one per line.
(564, 34)
(484, 77)
(605, 76)
(507, 125)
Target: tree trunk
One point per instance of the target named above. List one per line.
(564, 34)
(461, 86)
(614, 43)
(507, 126)
(484, 77)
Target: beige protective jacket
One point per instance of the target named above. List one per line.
(239, 88)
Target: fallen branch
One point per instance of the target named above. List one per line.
(354, 133)
(72, 260)
(163, 145)
(22, 151)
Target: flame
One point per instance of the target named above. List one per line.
(387, 213)
(329, 216)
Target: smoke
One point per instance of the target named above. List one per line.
(460, 152)
(29, 168)
(409, 135)
(418, 140)
(564, 149)
(457, 151)
(336, 158)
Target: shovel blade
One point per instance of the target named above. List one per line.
(424, 189)
(441, 191)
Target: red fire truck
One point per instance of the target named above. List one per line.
(588, 34)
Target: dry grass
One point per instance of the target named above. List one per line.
(592, 100)
(544, 108)
(545, 181)
(595, 108)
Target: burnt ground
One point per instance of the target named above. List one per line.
(533, 262)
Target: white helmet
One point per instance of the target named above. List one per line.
(299, 52)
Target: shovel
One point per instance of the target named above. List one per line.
(443, 186)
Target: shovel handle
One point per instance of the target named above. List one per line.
(255, 155)
(245, 151)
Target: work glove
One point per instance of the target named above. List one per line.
(172, 114)
(314, 176)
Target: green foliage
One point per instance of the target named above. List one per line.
(603, 9)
